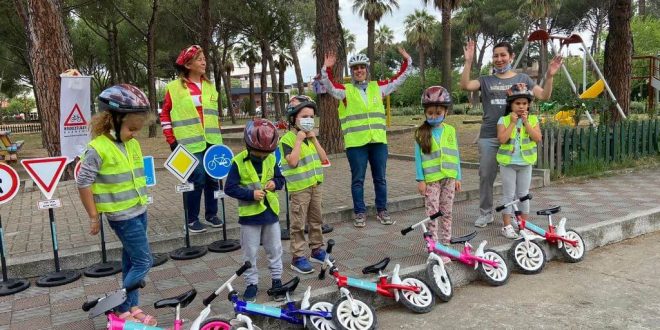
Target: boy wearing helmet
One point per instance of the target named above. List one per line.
(303, 171)
(437, 162)
(518, 133)
(362, 117)
(111, 181)
(253, 179)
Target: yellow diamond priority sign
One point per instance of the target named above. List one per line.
(181, 163)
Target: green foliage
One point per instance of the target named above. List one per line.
(20, 105)
(646, 35)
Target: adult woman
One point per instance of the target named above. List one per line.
(493, 96)
(190, 118)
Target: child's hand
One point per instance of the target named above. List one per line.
(270, 185)
(301, 135)
(524, 116)
(259, 195)
(514, 117)
(421, 188)
(311, 134)
(94, 226)
(457, 186)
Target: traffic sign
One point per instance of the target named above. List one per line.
(181, 163)
(46, 172)
(9, 183)
(150, 170)
(217, 161)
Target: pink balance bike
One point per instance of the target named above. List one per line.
(528, 256)
(489, 263)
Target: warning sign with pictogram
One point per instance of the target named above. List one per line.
(75, 117)
(46, 172)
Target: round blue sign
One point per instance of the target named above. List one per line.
(278, 156)
(217, 161)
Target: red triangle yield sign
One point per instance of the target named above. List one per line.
(46, 172)
(75, 118)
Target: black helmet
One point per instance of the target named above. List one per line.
(123, 98)
(297, 103)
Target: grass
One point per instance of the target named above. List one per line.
(599, 168)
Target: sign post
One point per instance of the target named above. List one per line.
(181, 163)
(150, 174)
(9, 185)
(217, 162)
(46, 173)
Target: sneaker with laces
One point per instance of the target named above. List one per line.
(275, 284)
(250, 294)
(318, 256)
(215, 222)
(483, 220)
(196, 227)
(360, 220)
(302, 265)
(384, 217)
(509, 232)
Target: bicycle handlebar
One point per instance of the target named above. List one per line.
(331, 243)
(405, 231)
(519, 200)
(90, 304)
(207, 301)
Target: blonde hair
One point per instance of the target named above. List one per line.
(102, 122)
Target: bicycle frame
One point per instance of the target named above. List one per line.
(554, 234)
(382, 287)
(115, 323)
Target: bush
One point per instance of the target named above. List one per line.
(475, 112)
(459, 109)
(637, 107)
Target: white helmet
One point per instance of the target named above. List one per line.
(358, 59)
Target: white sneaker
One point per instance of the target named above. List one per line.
(508, 232)
(483, 220)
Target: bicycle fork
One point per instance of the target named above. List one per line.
(346, 293)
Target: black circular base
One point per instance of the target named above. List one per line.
(13, 285)
(103, 269)
(223, 246)
(326, 228)
(159, 259)
(58, 278)
(187, 253)
(285, 235)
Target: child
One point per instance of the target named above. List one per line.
(304, 173)
(437, 161)
(253, 178)
(111, 181)
(517, 151)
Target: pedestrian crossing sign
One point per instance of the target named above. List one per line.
(181, 163)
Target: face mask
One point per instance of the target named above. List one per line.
(306, 124)
(502, 70)
(435, 121)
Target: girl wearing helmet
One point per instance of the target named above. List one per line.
(253, 179)
(518, 133)
(362, 116)
(111, 181)
(190, 117)
(437, 162)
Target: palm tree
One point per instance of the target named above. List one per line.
(349, 42)
(248, 53)
(384, 38)
(445, 7)
(418, 32)
(372, 11)
(540, 10)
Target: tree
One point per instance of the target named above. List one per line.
(248, 53)
(349, 41)
(372, 11)
(446, 7)
(419, 26)
(541, 10)
(383, 39)
(618, 54)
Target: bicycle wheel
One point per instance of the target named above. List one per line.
(440, 281)
(573, 253)
(211, 165)
(215, 324)
(343, 317)
(422, 302)
(320, 323)
(528, 257)
(494, 276)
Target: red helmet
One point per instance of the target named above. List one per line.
(261, 135)
(436, 95)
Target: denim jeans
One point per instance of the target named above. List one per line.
(376, 155)
(203, 182)
(136, 257)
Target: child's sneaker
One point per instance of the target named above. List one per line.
(483, 220)
(196, 227)
(250, 294)
(301, 265)
(276, 284)
(384, 217)
(318, 255)
(215, 221)
(360, 220)
(509, 232)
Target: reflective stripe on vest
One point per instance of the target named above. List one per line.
(186, 124)
(362, 123)
(120, 183)
(527, 145)
(443, 161)
(308, 172)
(250, 180)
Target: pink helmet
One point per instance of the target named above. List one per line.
(261, 135)
(436, 95)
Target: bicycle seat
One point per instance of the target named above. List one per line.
(182, 299)
(377, 267)
(552, 210)
(286, 287)
(464, 238)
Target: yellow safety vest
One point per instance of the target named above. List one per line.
(362, 123)
(250, 180)
(186, 124)
(120, 183)
(443, 161)
(527, 145)
(308, 172)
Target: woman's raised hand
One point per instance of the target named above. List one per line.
(468, 51)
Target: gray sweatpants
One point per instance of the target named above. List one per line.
(270, 236)
(487, 173)
(515, 184)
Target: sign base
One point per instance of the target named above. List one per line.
(13, 285)
(58, 278)
(285, 235)
(103, 269)
(187, 253)
(224, 246)
(159, 258)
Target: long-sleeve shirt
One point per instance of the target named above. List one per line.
(195, 90)
(436, 133)
(234, 189)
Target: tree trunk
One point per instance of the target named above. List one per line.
(151, 70)
(116, 75)
(618, 54)
(268, 54)
(217, 75)
(226, 80)
(371, 36)
(282, 70)
(446, 46)
(264, 85)
(296, 66)
(328, 36)
(251, 80)
(422, 68)
(205, 40)
(543, 59)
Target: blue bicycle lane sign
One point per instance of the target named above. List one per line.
(217, 161)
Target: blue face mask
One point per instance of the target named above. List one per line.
(502, 70)
(435, 121)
